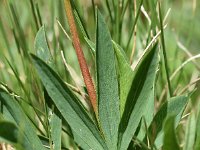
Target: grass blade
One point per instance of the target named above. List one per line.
(38, 14)
(34, 14)
(91, 45)
(164, 53)
(56, 131)
(197, 143)
(134, 24)
(107, 89)
(190, 132)
(21, 119)
(22, 37)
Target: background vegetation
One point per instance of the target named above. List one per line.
(131, 29)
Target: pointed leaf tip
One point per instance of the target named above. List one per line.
(85, 132)
(107, 84)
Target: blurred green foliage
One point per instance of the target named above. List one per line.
(20, 21)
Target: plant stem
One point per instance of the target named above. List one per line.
(93, 7)
(34, 14)
(81, 59)
(164, 53)
(134, 38)
(134, 24)
(109, 10)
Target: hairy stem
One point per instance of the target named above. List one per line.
(81, 59)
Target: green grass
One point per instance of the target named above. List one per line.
(144, 63)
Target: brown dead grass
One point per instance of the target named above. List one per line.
(4, 146)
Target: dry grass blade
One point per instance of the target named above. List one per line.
(183, 64)
(182, 47)
(189, 85)
(4, 146)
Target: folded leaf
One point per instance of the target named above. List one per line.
(107, 84)
(126, 75)
(139, 96)
(84, 130)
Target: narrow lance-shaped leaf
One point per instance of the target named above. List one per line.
(107, 84)
(21, 119)
(56, 130)
(138, 97)
(43, 52)
(170, 141)
(147, 116)
(41, 46)
(90, 44)
(126, 75)
(84, 130)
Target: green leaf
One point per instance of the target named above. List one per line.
(197, 143)
(56, 130)
(176, 106)
(148, 116)
(43, 52)
(170, 141)
(190, 132)
(41, 46)
(7, 116)
(9, 134)
(84, 130)
(139, 95)
(107, 84)
(90, 44)
(80, 22)
(126, 75)
(21, 119)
